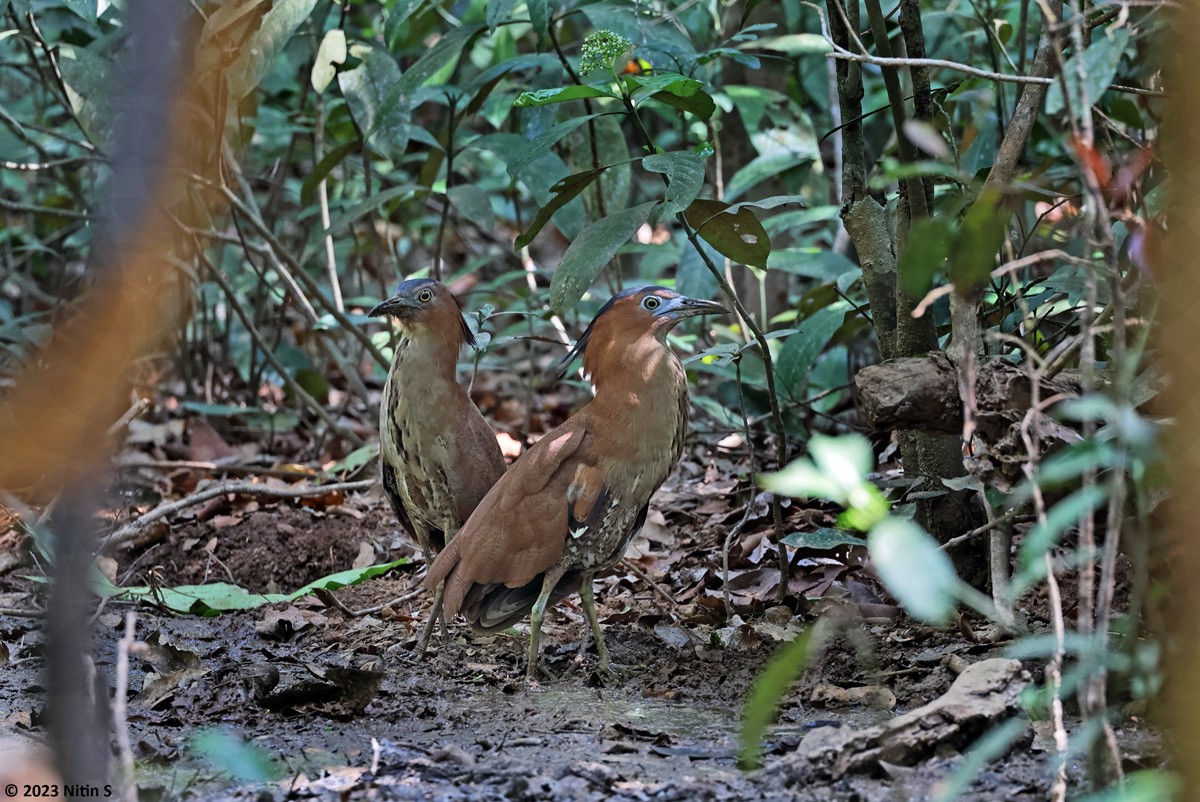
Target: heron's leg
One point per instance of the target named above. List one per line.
(589, 609)
(535, 620)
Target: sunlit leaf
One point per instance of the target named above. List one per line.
(762, 704)
(913, 569)
(559, 94)
(331, 52)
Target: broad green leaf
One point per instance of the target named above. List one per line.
(245, 761)
(1146, 785)
(382, 118)
(735, 234)
(539, 16)
(980, 234)
(685, 170)
(472, 203)
(928, 246)
(801, 351)
(369, 205)
(558, 94)
(331, 52)
(499, 11)
(1100, 62)
(1045, 535)
(795, 44)
(539, 145)
(802, 479)
(445, 51)
(590, 252)
(769, 687)
(818, 263)
(823, 538)
(264, 45)
(846, 459)
(913, 568)
(671, 83)
(766, 167)
(564, 191)
(616, 182)
(353, 461)
(87, 77)
(218, 597)
(324, 167)
(701, 103)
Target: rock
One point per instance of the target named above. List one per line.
(983, 696)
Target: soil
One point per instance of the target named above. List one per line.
(345, 710)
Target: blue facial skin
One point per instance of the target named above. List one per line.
(405, 299)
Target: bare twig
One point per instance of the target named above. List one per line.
(130, 530)
(635, 569)
(119, 706)
(323, 199)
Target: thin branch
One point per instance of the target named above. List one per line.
(131, 530)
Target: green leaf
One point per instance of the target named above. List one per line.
(590, 252)
(817, 263)
(499, 11)
(802, 479)
(988, 747)
(928, 246)
(331, 52)
(823, 538)
(671, 83)
(558, 94)
(801, 351)
(353, 461)
(324, 167)
(913, 568)
(685, 170)
(367, 206)
(1147, 785)
(219, 597)
(701, 103)
(540, 145)
(539, 16)
(245, 761)
(761, 705)
(1045, 534)
(735, 234)
(444, 52)
(564, 191)
(472, 203)
(982, 230)
(1100, 62)
(795, 44)
(264, 45)
(368, 88)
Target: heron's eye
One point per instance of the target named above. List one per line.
(651, 303)
(425, 295)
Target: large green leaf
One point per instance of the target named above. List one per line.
(564, 191)
(558, 94)
(685, 171)
(264, 45)
(219, 597)
(736, 234)
(368, 89)
(499, 11)
(590, 252)
(539, 145)
(823, 538)
(980, 234)
(913, 568)
(795, 44)
(761, 705)
(701, 103)
(928, 246)
(1100, 62)
(324, 167)
(801, 351)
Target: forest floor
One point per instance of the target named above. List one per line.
(345, 711)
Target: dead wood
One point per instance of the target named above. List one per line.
(922, 393)
(983, 696)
